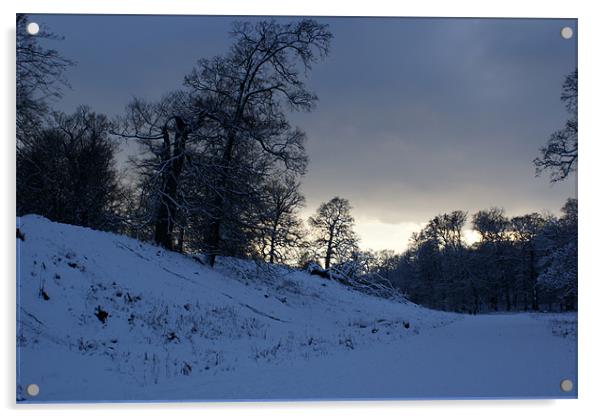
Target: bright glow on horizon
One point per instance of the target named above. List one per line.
(471, 236)
(377, 235)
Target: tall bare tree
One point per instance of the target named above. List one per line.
(40, 76)
(280, 225)
(525, 230)
(332, 227)
(494, 254)
(162, 129)
(245, 93)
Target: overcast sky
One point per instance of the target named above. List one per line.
(416, 116)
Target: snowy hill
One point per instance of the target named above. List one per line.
(102, 317)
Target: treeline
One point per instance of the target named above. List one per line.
(526, 262)
(523, 263)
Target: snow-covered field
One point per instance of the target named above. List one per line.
(102, 317)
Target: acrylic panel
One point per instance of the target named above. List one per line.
(220, 208)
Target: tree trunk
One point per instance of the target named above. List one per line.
(475, 300)
(273, 243)
(328, 253)
(162, 222)
(494, 302)
(213, 243)
(533, 280)
(180, 247)
(174, 164)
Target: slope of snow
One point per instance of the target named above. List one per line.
(102, 317)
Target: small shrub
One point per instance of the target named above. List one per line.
(101, 314)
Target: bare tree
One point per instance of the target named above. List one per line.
(524, 231)
(332, 227)
(492, 225)
(280, 225)
(245, 93)
(40, 76)
(162, 129)
(559, 156)
(438, 255)
(494, 254)
(446, 229)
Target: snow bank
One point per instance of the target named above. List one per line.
(103, 317)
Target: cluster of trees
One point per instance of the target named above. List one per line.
(525, 262)
(220, 167)
(67, 171)
(221, 162)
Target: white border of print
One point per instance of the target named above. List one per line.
(589, 205)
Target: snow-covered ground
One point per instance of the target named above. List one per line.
(102, 317)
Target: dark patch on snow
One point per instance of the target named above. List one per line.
(186, 369)
(320, 272)
(20, 235)
(131, 299)
(347, 342)
(74, 265)
(101, 314)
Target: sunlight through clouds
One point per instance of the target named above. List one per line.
(471, 236)
(377, 235)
